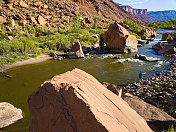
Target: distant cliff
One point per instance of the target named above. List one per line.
(135, 11)
(163, 15)
(140, 13)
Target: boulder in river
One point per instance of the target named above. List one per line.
(145, 58)
(118, 39)
(9, 114)
(157, 119)
(167, 50)
(76, 102)
(158, 46)
(166, 36)
(76, 51)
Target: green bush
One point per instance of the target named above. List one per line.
(96, 19)
(171, 129)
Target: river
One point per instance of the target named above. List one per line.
(29, 77)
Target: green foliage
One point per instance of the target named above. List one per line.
(96, 19)
(76, 23)
(171, 129)
(132, 26)
(164, 24)
(132, 33)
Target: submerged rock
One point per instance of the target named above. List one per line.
(76, 51)
(9, 114)
(118, 39)
(76, 102)
(145, 58)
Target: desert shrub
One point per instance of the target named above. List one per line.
(96, 19)
(171, 129)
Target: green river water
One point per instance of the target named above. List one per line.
(28, 78)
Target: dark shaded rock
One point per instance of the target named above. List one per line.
(157, 119)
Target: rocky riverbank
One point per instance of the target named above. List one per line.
(159, 90)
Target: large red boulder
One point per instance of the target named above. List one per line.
(76, 102)
(118, 39)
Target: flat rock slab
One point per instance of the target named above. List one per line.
(76, 102)
(9, 114)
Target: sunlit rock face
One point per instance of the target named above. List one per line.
(76, 102)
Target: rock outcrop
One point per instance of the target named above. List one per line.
(157, 119)
(76, 51)
(2, 20)
(118, 39)
(9, 114)
(165, 49)
(61, 12)
(76, 102)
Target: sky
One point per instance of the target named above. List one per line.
(151, 5)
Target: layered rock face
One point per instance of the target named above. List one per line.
(118, 39)
(76, 102)
(9, 114)
(140, 13)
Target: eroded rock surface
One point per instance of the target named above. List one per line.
(9, 114)
(118, 39)
(76, 102)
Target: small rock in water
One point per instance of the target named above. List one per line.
(9, 114)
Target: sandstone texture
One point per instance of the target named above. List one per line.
(76, 51)
(157, 119)
(118, 39)
(76, 102)
(9, 114)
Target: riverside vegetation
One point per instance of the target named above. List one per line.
(164, 24)
(29, 41)
(32, 41)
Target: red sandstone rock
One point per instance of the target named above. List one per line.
(41, 21)
(76, 102)
(9, 114)
(76, 51)
(2, 19)
(113, 88)
(118, 39)
(23, 4)
(157, 119)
